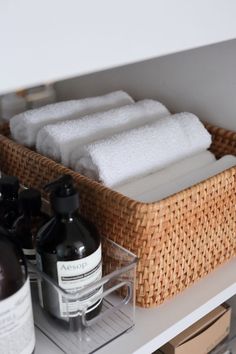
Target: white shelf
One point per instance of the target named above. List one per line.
(155, 327)
(51, 40)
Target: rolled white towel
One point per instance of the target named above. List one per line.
(190, 179)
(25, 126)
(141, 151)
(64, 141)
(166, 175)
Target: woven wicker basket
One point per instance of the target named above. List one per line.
(178, 240)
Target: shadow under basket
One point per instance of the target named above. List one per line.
(178, 240)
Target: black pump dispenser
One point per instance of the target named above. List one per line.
(9, 186)
(69, 251)
(64, 197)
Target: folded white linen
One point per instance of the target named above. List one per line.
(187, 181)
(166, 175)
(141, 151)
(25, 126)
(64, 141)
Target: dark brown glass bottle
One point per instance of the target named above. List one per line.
(16, 318)
(69, 251)
(9, 187)
(29, 222)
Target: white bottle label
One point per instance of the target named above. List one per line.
(16, 323)
(74, 275)
(30, 253)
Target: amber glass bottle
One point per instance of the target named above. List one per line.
(16, 318)
(29, 222)
(69, 250)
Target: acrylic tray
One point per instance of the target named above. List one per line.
(118, 307)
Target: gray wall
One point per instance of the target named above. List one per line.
(202, 81)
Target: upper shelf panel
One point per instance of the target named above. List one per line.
(45, 40)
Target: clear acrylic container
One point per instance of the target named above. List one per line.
(80, 335)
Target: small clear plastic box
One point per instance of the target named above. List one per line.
(118, 305)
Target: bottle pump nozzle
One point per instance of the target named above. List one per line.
(64, 196)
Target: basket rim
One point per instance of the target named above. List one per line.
(230, 134)
(138, 205)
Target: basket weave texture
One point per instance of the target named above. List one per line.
(178, 240)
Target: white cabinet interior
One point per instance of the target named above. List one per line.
(202, 81)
